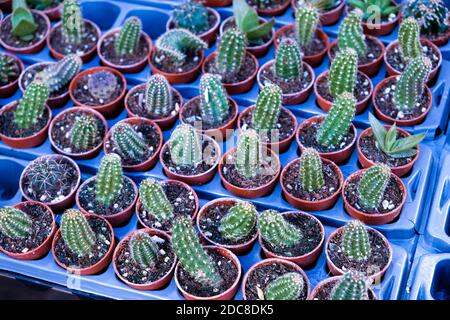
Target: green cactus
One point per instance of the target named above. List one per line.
(129, 35)
(288, 286)
(22, 21)
(9, 69)
(185, 146)
(102, 85)
(214, 104)
(155, 201)
(72, 26)
(352, 286)
(343, 72)
(355, 241)
(15, 223)
(306, 21)
(192, 16)
(249, 154)
(268, 107)
(350, 34)
(143, 250)
(231, 52)
(192, 257)
(109, 179)
(128, 142)
(336, 124)
(288, 61)
(310, 170)
(409, 39)
(77, 233)
(158, 96)
(432, 15)
(58, 75)
(372, 185)
(239, 221)
(369, 8)
(32, 105)
(84, 132)
(276, 231)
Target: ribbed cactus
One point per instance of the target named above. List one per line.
(77, 233)
(249, 154)
(158, 96)
(72, 26)
(32, 105)
(185, 146)
(143, 250)
(191, 15)
(154, 200)
(288, 61)
(22, 21)
(15, 223)
(350, 34)
(338, 121)
(213, 99)
(355, 241)
(343, 72)
(129, 142)
(102, 84)
(129, 35)
(352, 286)
(411, 84)
(310, 170)
(231, 52)
(277, 231)
(239, 221)
(288, 286)
(84, 131)
(409, 39)
(193, 258)
(306, 21)
(9, 69)
(372, 185)
(432, 15)
(268, 107)
(109, 179)
(58, 75)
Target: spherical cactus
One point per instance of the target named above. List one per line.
(15, 223)
(158, 96)
(310, 170)
(143, 250)
(355, 241)
(249, 154)
(109, 179)
(277, 231)
(239, 221)
(185, 146)
(9, 69)
(102, 84)
(409, 39)
(268, 107)
(58, 75)
(306, 21)
(155, 201)
(231, 52)
(213, 99)
(288, 61)
(129, 35)
(72, 26)
(352, 286)
(191, 15)
(432, 15)
(77, 233)
(289, 286)
(350, 34)
(372, 185)
(343, 72)
(84, 131)
(22, 21)
(32, 105)
(128, 142)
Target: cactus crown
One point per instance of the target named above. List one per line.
(154, 200)
(249, 154)
(289, 286)
(129, 143)
(239, 222)
(58, 75)
(288, 61)
(355, 241)
(350, 34)
(32, 105)
(22, 21)
(143, 250)
(306, 21)
(213, 99)
(191, 15)
(409, 39)
(352, 286)
(185, 146)
(372, 185)
(194, 259)
(310, 170)
(77, 233)
(128, 38)
(336, 124)
(231, 52)
(343, 72)
(84, 132)
(432, 15)
(72, 26)
(15, 223)
(158, 96)
(268, 107)
(102, 84)
(9, 69)
(274, 229)
(109, 179)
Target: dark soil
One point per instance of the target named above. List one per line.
(136, 103)
(165, 64)
(251, 43)
(212, 20)
(17, 71)
(248, 68)
(40, 230)
(395, 58)
(191, 114)
(13, 41)
(327, 289)
(107, 49)
(274, 4)
(9, 128)
(268, 75)
(89, 41)
(83, 96)
(373, 52)
(361, 90)
(31, 73)
(316, 46)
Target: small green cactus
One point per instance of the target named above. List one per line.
(72, 26)
(231, 52)
(409, 39)
(432, 15)
(277, 231)
(306, 21)
(352, 286)
(129, 143)
(31, 107)
(84, 132)
(15, 223)
(143, 250)
(372, 185)
(109, 179)
(193, 258)
(158, 96)
(102, 85)
(239, 221)
(336, 124)
(214, 104)
(343, 72)
(192, 16)
(9, 69)
(58, 75)
(355, 241)
(155, 201)
(288, 61)
(268, 107)
(77, 233)
(129, 35)
(249, 154)
(185, 146)
(310, 170)
(350, 34)
(289, 286)
(22, 21)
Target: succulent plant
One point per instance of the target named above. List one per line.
(192, 16)
(77, 233)
(143, 250)
(355, 241)
(370, 8)
(214, 104)
(22, 21)
(321, 5)
(32, 105)
(102, 84)
(288, 286)
(9, 69)
(192, 257)
(247, 20)
(129, 35)
(274, 229)
(350, 34)
(185, 146)
(239, 221)
(249, 154)
(409, 39)
(231, 52)
(310, 170)
(129, 143)
(109, 179)
(84, 131)
(352, 286)
(372, 185)
(306, 21)
(343, 72)
(15, 223)
(72, 26)
(268, 107)
(42, 4)
(59, 74)
(155, 201)
(432, 15)
(158, 96)
(288, 61)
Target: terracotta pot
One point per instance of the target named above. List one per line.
(308, 258)
(277, 146)
(217, 3)
(326, 105)
(399, 171)
(337, 157)
(97, 267)
(10, 88)
(154, 285)
(164, 123)
(333, 280)
(388, 119)
(328, 17)
(307, 205)
(105, 109)
(379, 29)
(238, 249)
(258, 192)
(441, 40)
(192, 180)
(295, 97)
(274, 11)
(226, 295)
(282, 262)
(44, 247)
(235, 87)
(54, 13)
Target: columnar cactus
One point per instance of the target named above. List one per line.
(288, 286)
(350, 34)
(306, 21)
(129, 35)
(213, 99)
(310, 170)
(8, 69)
(268, 106)
(239, 221)
(338, 121)
(59, 74)
(432, 15)
(72, 26)
(32, 105)
(84, 132)
(193, 258)
(109, 179)
(185, 146)
(288, 61)
(191, 15)
(343, 72)
(355, 241)
(143, 250)
(77, 233)
(411, 84)
(277, 231)
(22, 20)
(372, 185)
(352, 286)
(409, 39)
(249, 154)
(154, 200)
(231, 52)
(15, 223)
(158, 96)
(102, 84)
(129, 142)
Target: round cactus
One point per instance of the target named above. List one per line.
(343, 72)
(185, 146)
(77, 233)
(129, 143)
(409, 39)
(143, 250)
(192, 16)
(129, 35)
(154, 200)
(84, 131)
(31, 107)
(289, 286)
(310, 170)
(239, 222)
(274, 229)
(268, 107)
(9, 69)
(72, 26)
(306, 21)
(231, 52)
(102, 84)
(15, 223)
(249, 154)
(109, 179)
(350, 34)
(158, 96)
(355, 241)
(432, 15)
(288, 61)
(372, 185)
(352, 286)
(214, 104)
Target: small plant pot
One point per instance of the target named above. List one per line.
(277, 10)
(217, 3)
(107, 109)
(9, 89)
(100, 265)
(338, 156)
(328, 17)
(204, 226)
(229, 293)
(271, 269)
(44, 246)
(426, 103)
(151, 159)
(54, 14)
(151, 285)
(306, 259)
(324, 288)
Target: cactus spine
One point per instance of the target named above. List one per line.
(109, 179)
(185, 146)
(15, 223)
(355, 241)
(72, 26)
(128, 141)
(9, 69)
(58, 75)
(231, 52)
(143, 250)
(239, 221)
(213, 99)
(289, 286)
(158, 96)
(350, 34)
(249, 154)
(268, 107)
(409, 39)
(372, 185)
(191, 15)
(343, 72)
(352, 286)
(154, 200)
(310, 170)
(77, 233)
(129, 35)
(84, 132)
(306, 21)
(277, 231)
(288, 61)
(31, 107)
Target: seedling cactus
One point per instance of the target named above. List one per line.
(129, 35)
(102, 84)
(268, 106)
(231, 52)
(289, 286)
(409, 39)
(288, 61)
(239, 222)
(355, 241)
(352, 286)
(350, 34)
(84, 131)
(277, 231)
(158, 96)
(22, 21)
(77, 233)
(8, 69)
(15, 223)
(249, 154)
(109, 179)
(155, 201)
(72, 26)
(129, 142)
(31, 107)
(143, 250)
(372, 185)
(306, 21)
(213, 99)
(343, 72)
(310, 170)
(58, 75)
(192, 16)
(432, 15)
(185, 146)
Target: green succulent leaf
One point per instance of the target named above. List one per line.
(261, 30)
(391, 136)
(247, 20)
(403, 154)
(378, 130)
(407, 143)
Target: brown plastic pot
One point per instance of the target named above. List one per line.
(97, 267)
(105, 109)
(337, 157)
(326, 105)
(398, 122)
(379, 29)
(328, 17)
(271, 261)
(227, 294)
(274, 11)
(10, 88)
(154, 285)
(54, 13)
(44, 247)
(308, 258)
(217, 3)
(333, 280)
